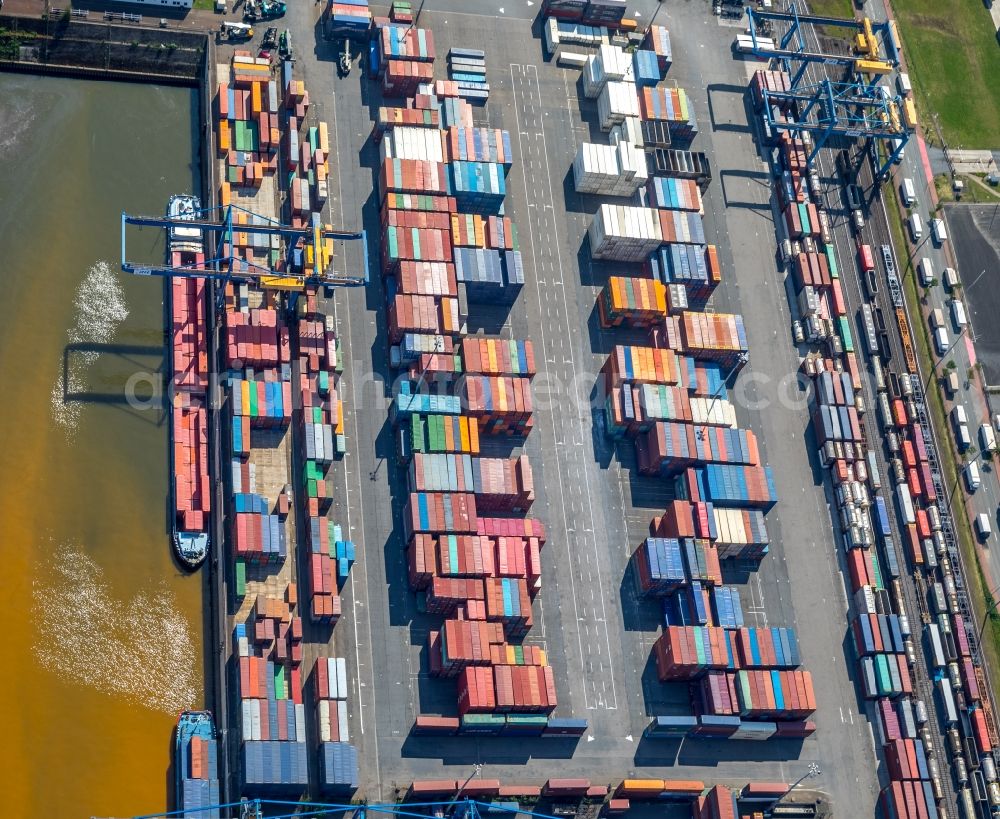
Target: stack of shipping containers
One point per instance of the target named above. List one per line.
(473, 551)
(670, 398)
(281, 384)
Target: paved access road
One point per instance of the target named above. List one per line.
(597, 633)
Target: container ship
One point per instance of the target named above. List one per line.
(188, 404)
(196, 766)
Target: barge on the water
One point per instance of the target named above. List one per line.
(188, 394)
(196, 766)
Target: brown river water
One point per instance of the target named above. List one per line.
(101, 631)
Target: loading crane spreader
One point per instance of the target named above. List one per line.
(306, 252)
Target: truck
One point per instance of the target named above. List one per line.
(938, 231)
(941, 341)
(237, 31)
(908, 192)
(949, 276)
(916, 227)
(972, 477)
(926, 271)
(958, 317)
(987, 438)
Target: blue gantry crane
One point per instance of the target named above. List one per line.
(278, 809)
(852, 105)
(307, 251)
(792, 49)
(851, 109)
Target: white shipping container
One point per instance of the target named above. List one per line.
(406, 142)
(300, 722)
(716, 412)
(617, 101)
(342, 677)
(331, 665)
(551, 36)
(608, 170)
(571, 59)
(255, 720)
(594, 79)
(247, 721)
(614, 62)
(905, 504)
(342, 720)
(323, 717)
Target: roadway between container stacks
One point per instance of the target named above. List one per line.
(596, 664)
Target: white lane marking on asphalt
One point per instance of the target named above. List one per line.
(531, 233)
(361, 539)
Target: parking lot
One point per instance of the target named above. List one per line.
(974, 230)
(595, 506)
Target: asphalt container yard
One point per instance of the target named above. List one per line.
(597, 630)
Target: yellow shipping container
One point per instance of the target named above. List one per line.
(245, 396)
(225, 194)
(255, 97)
(339, 428)
(642, 786)
(324, 138)
(225, 143)
(910, 114)
(473, 436)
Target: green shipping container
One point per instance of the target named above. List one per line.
(743, 691)
(527, 719)
(312, 472)
(878, 571)
(253, 399)
(700, 649)
(241, 579)
(882, 676)
(484, 719)
(279, 681)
